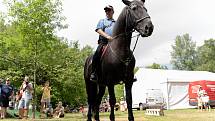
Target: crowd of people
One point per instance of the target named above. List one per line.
(22, 99)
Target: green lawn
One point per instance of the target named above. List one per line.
(169, 115)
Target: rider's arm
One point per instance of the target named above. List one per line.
(100, 29)
(102, 33)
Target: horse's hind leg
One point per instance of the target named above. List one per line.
(128, 87)
(98, 101)
(91, 89)
(112, 101)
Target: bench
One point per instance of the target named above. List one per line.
(156, 112)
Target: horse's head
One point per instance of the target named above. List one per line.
(138, 18)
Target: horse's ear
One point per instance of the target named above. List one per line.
(126, 2)
(143, 1)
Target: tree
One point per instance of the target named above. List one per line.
(156, 66)
(183, 56)
(32, 30)
(206, 56)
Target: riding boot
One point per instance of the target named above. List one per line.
(135, 79)
(95, 61)
(93, 76)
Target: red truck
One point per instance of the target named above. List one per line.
(208, 86)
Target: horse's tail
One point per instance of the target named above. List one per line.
(91, 87)
(87, 67)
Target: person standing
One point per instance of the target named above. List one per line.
(1, 98)
(122, 104)
(7, 94)
(205, 101)
(104, 29)
(200, 94)
(17, 99)
(26, 96)
(46, 97)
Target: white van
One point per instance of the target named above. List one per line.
(154, 98)
(150, 98)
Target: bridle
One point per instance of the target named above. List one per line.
(135, 24)
(127, 61)
(141, 19)
(135, 16)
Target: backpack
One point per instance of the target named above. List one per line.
(6, 90)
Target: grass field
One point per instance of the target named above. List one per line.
(169, 115)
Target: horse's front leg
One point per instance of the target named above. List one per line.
(112, 101)
(98, 101)
(128, 87)
(89, 113)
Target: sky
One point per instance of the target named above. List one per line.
(169, 17)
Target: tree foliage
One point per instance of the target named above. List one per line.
(28, 41)
(183, 56)
(206, 56)
(156, 66)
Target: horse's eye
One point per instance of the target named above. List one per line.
(133, 6)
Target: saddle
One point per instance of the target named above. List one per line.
(103, 50)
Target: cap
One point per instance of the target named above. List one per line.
(109, 7)
(8, 79)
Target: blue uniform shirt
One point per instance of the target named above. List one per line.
(107, 26)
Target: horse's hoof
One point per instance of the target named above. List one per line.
(112, 118)
(130, 119)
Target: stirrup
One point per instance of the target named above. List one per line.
(134, 79)
(93, 77)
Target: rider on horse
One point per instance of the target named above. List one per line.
(104, 29)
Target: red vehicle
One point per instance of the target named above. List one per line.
(208, 86)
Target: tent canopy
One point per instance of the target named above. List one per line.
(173, 83)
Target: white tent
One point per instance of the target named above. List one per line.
(173, 84)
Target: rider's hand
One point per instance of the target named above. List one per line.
(109, 37)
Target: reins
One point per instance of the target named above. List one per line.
(127, 61)
(138, 35)
(135, 42)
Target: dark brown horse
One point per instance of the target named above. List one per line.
(117, 64)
